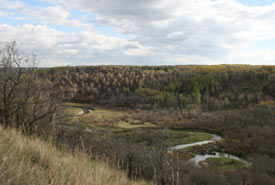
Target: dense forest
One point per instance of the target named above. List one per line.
(179, 87)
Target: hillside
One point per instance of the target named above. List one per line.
(28, 161)
(210, 87)
(131, 116)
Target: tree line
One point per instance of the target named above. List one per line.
(205, 87)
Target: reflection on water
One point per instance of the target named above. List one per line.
(213, 139)
(198, 158)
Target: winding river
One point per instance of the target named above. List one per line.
(199, 158)
(214, 138)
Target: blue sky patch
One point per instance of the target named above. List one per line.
(37, 3)
(257, 2)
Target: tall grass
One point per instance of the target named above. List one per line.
(28, 161)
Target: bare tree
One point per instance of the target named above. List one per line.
(26, 100)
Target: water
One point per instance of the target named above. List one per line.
(198, 158)
(214, 138)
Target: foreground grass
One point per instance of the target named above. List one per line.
(27, 161)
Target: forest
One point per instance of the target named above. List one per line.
(178, 87)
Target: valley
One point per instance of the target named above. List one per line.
(119, 121)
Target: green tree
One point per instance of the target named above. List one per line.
(171, 87)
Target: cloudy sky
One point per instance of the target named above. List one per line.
(141, 32)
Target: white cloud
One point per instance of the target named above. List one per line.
(15, 5)
(158, 31)
(57, 48)
(260, 57)
(3, 13)
(206, 28)
(44, 15)
(54, 15)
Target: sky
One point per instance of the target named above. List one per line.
(142, 32)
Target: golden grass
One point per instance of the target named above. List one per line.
(105, 115)
(73, 111)
(28, 161)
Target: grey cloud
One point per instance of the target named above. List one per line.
(160, 31)
(56, 48)
(151, 22)
(130, 46)
(143, 9)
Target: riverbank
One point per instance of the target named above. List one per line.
(214, 159)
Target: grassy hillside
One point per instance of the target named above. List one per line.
(27, 161)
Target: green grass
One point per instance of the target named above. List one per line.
(73, 110)
(79, 105)
(98, 116)
(224, 164)
(104, 117)
(185, 137)
(108, 128)
(128, 125)
(117, 130)
(184, 155)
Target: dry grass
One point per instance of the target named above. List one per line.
(73, 110)
(101, 116)
(28, 161)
